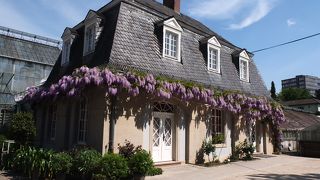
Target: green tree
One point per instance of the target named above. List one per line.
(289, 94)
(22, 128)
(273, 91)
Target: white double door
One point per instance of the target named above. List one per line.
(162, 137)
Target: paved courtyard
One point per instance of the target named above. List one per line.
(281, 167)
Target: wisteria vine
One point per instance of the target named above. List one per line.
(252, 108)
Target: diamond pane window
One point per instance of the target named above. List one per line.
(167, 132)
(163, 107)
(156, 132)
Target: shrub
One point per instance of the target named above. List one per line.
(29, 160)
(128, 149)
(114, 166)
(61, 163)
(85, 162)
(154, 171)
(22, 128)
(218, 139)
(208, 148)
(244, 150)
(140, 163)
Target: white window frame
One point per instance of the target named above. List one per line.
(172, 26)
(217, 69)
(84, 120)
(53, 122)
(66, 51)
(241, 59)
(243, 56)
(214, 119)
(86, 49)
(214, 44)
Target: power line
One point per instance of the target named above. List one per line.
(271, 47)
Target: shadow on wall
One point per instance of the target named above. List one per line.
(309, 176)
(140, 108)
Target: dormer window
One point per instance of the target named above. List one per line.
(65, 52)
(92, 31)
(172, 40)
(68, 37)
(213, 56)
(244, 66)
(89, 44)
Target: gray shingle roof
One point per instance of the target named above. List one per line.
(27, 50)
(302, 102)
(298, 120)
(137, 45)
(131, 39)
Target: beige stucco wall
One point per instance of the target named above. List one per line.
(67, 117)
(132, 115)
(199, 129)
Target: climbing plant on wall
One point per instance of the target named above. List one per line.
(133, 82)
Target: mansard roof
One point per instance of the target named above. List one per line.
(131, 40)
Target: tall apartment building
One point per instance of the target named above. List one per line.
(311, 83)
(25, 60)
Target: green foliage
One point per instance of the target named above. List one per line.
(273, 91)
(86, 162)
(208, 148)
(218, 139)
(61, 163)
(289, 94)
(244, 150)
(128, 149)
(154, 171)
(114, 166)
(29, 160)
(22, 128)
(140, 163)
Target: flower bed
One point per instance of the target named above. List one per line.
(82, 163)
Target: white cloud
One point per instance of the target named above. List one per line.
(216, 9)
(246, 12)
(291, 22)
(262, 8)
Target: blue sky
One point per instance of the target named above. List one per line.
(251, 24)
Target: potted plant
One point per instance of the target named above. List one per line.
(140, 164)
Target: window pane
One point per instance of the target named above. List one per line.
(171, 44)
(212, 59)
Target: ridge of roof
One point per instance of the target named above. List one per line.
(302, 101)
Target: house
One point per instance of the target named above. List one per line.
(25, 60)
(142, 71)
(310, 83)
(311, 105)
(297, 122)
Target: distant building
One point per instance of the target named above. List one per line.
(309, 105)
(298, 123)
(311, 83)
(25, 60)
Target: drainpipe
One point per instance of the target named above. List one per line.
(113, 100)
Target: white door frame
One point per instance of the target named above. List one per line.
(162, 152)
